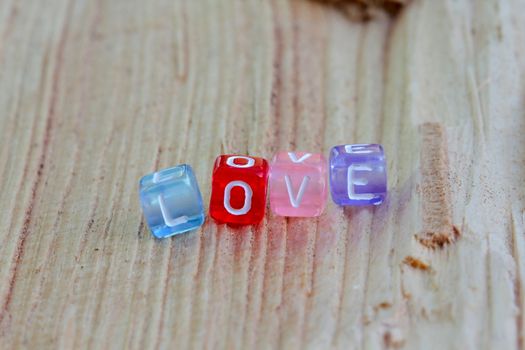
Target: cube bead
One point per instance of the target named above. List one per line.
(358, 174)
(238, 194)
(171, 201)
(298, 184)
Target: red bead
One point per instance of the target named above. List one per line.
(238, 192)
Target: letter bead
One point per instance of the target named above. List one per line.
(171, 201)
(358, 174)
(298, 184)
(238, 194)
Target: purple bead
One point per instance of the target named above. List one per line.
(358, 174)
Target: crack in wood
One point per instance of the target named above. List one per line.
(365, 10)
(438, 228)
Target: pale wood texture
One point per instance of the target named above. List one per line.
(94, 94)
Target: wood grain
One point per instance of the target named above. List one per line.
(94, 94)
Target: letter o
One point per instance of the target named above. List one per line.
(247, 197)
(231, 162)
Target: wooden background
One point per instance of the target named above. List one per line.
(94, 94)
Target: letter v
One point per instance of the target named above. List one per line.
(294, 159)
(296, 201)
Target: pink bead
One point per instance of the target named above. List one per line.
(298, 184)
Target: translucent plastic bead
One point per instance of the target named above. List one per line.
(298, 184)
(358, 174)
(171, 201)
(238, 190)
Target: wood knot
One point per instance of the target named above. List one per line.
(438, 240)
(416, 263)
(382, 306)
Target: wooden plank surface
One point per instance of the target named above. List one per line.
(94, 94)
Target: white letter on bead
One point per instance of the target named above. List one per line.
(296, 202)
(231, 162)
(247, 197)
(294, 159)
(168, 220)
(361, 181)
(358, 149)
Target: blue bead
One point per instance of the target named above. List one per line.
(171, 201)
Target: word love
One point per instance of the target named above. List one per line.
(298, 186)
